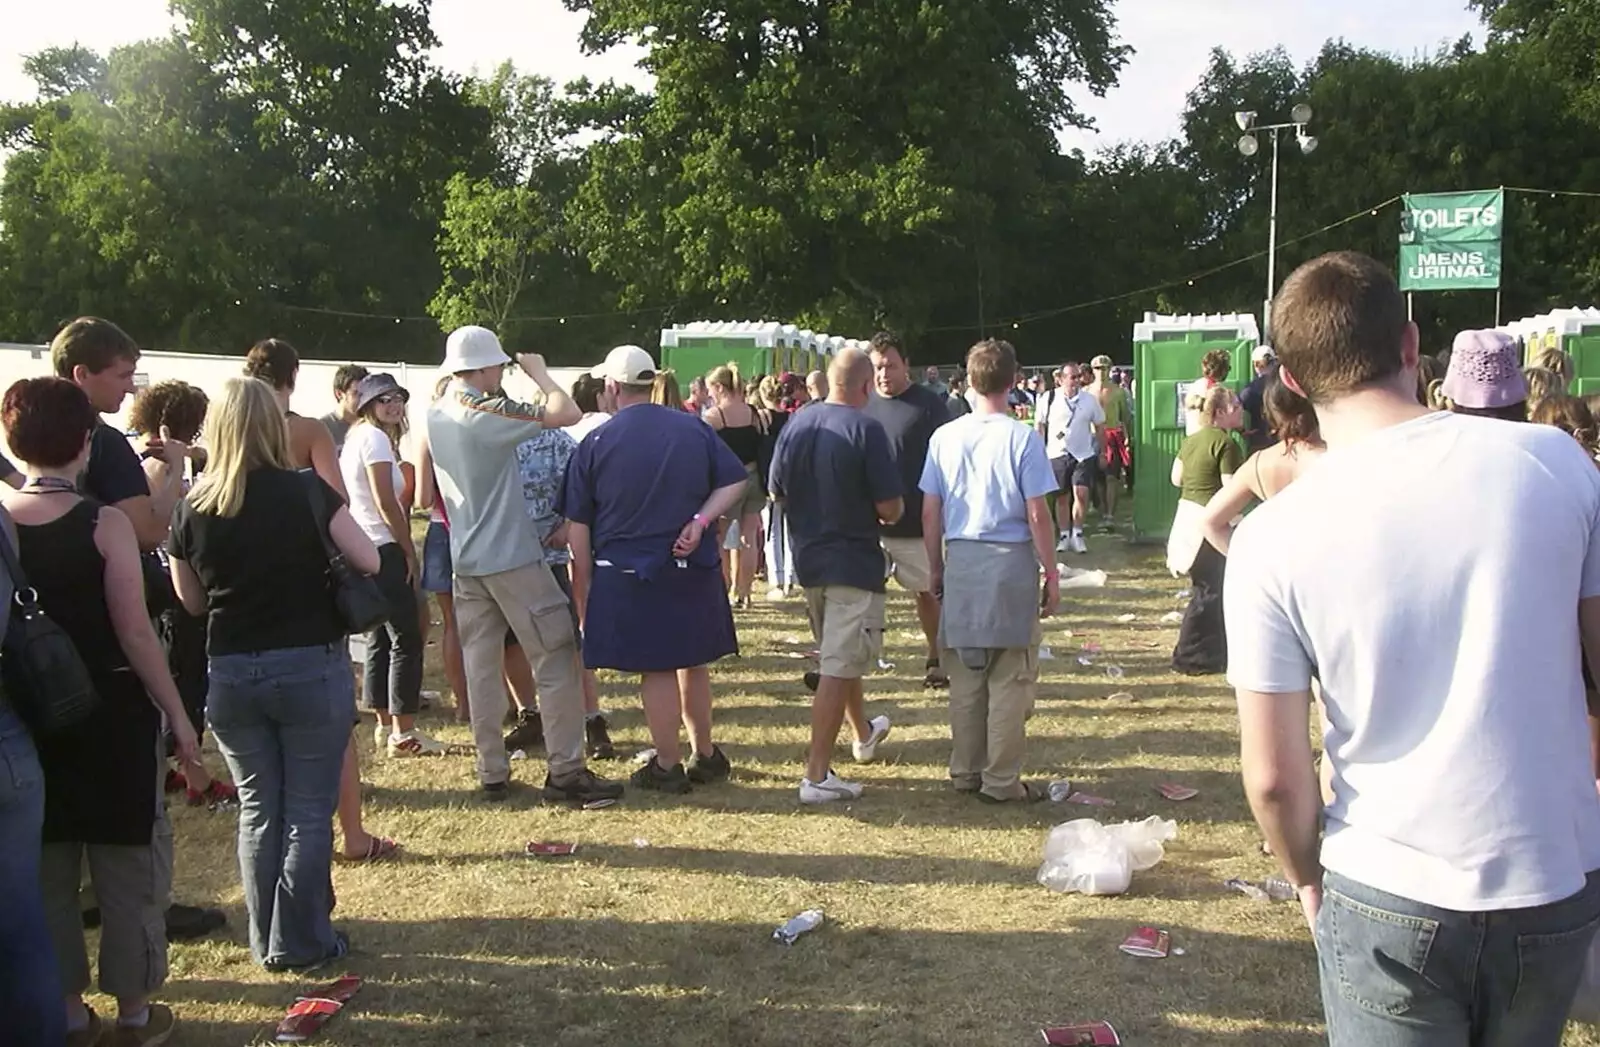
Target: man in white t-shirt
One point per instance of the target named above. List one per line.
(1069, 418)
(1454, 895)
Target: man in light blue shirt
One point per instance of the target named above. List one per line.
(988, 532)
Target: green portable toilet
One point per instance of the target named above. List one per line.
(698, 348)
(1577, 331)
(1167, 351)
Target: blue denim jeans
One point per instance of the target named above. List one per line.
(1397, 973)
(32, 1010)
(282, 719)
(392, 680)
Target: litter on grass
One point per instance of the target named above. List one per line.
(1078, 579)
(1046, 654)
(1116, 672)
(804, 923)
(1172, 617)
(644, 756)
(1127, 618)
(1120, 696)
(1087, 857)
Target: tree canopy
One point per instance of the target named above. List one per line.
(305, 169)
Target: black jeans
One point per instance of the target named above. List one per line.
(1202, 646)
(393, 677)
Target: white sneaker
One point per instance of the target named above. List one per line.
(415, 743)
(380, 734)
(1065, 544)
(1078, 545)
(829, 790)
(867, 751)
(776, 595)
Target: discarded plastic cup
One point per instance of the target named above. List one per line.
(806, 922)
(1060, 790)
(1115, 672)
(1084, 659)
(1172, 617)
(1127, 618)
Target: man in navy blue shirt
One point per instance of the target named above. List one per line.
(909, 413)
(642, 496)
(834, 473)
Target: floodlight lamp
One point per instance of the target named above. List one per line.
(1244, 118)
(1301, 114)
(1308, 144)
(1248, 145)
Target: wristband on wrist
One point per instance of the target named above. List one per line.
(697, 518)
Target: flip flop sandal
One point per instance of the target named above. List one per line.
(378, 849)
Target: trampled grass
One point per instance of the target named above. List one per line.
(658, 932)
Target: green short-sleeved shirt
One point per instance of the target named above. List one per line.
(1206, 457)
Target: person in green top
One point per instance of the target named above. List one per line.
(1206, 460)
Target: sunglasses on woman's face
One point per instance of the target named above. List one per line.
(389, 398)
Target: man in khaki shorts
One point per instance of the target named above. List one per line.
(909, 413)
(837, 481)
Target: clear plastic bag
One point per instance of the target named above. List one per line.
(1086, 857)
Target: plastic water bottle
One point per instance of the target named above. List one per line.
(807, 921)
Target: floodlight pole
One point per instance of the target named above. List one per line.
(1272, 244)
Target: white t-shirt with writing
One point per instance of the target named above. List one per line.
(1068, 421)
(368, 445)
(1429, 576)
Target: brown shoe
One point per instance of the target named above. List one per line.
(90, 1034)
(157, 1030)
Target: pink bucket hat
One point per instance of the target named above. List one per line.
(1484, 371)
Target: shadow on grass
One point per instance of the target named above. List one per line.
(576, 982)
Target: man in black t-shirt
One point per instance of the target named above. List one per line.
(909, 413)
(837, 481)
(98, 357)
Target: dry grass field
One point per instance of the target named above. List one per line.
(658, 932)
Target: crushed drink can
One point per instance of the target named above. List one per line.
(1060, 790)
(1279, 890)
(791, 931)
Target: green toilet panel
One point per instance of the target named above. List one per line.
(1584, 348)
(1170, 360)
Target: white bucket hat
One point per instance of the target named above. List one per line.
(472, 349)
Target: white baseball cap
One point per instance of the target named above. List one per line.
(627, 364)
(1264, 352)
(472, 349)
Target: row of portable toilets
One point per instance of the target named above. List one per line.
(1167, 351)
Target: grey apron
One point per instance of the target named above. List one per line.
(991, 599)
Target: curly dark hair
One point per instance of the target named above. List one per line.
(177, 405)
(1216, 364)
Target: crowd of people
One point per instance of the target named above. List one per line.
(1446, 854)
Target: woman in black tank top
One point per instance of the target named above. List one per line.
(743, 429)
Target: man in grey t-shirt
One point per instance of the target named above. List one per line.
(342, 417)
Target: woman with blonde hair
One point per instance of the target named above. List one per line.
(1206, 462)
(665, 392)
(1542, 384)
(743, 429)
(248, 551)
(1558, 361)
(312, 449)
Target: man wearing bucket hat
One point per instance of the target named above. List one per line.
(501, 578)
(642, 497)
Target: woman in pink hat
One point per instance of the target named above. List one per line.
(1485, 377)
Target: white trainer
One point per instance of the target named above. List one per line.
(415, 743)
(380, 734)
(867, 751)
(1078, 545)
(1065, 544)
(830, 790)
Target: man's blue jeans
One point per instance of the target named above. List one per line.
(32, 1008)
(282, 719)
(1397, 973)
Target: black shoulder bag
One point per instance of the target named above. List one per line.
(44, 675)
(361, 603)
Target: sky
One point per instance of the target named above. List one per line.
(1172, 40)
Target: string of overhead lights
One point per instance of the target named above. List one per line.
(1013, 322)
